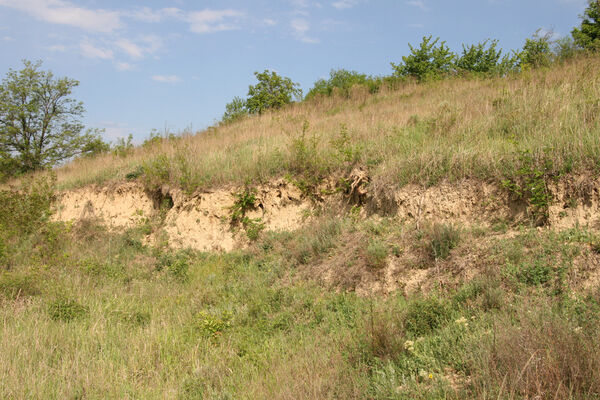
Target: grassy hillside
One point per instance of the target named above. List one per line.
(419, 133)
(502, 310)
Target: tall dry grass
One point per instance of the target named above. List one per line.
(450, 129)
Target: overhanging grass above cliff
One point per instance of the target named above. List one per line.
(420, 133)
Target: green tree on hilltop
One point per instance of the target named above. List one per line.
(587, 36)
(39, 122)
(271, 91)
(428, 61)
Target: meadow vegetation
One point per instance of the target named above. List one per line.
(93, 313)
(506, 310)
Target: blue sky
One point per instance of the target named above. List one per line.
(175, 63)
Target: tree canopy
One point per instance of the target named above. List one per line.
(40, 123)
(271, 91)
(587, 36)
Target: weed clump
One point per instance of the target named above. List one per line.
(425, 315)
(66, 310)
(376, 253)
(443, 238)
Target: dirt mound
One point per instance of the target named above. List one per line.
(200, 221)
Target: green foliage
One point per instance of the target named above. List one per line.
(536, 51)
(245, 201)
(271, 92)
(443, 238)
(424, 315)
(95, 146)
(136, 173)
(587, 36)
(346, 150)
(214, 325)
(28, 208)
(234, 110)
(376, 253)
(565, 48)
(14, 285)
(428, 61)
(123, 147)
(530, 183)
(65, 310)
(340, 81)
(536, 273)
(177, 264)
(39, 122)
(479, 59)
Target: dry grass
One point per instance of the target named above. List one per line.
(419, 133)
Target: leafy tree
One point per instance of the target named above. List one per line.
(478, 58)
(340, 79)
(587, 36)
(427, 61)
(234, 110)
(271, 91)
(39, 122)
(536, 51)
(95, 147)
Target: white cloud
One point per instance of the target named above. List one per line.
(418, 3)
(166, 78)
(416, 26)
(300, 27)
(210, 21)
(343, 4)
(269, 22)
(90, 51)
(64, 13)
(123, 66)
(8, 38)
(130, 48)
(147, 14)
(59, 48)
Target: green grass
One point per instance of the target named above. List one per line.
(101, 315)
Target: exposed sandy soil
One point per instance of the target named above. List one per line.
(202, 220)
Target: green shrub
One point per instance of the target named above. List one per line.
(340, 81)
(587, 36)
(428, 61)
(63, 309)
(443, 238)
(376, 253)
(423, 316)
(245, 201)
(213, 325)
(536, 51)
(529, 182)
(538, 272)
(234, 111)
(27, 208)
(15, 285)
(271, 92)
(479, 59)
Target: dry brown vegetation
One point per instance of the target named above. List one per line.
(419, 133)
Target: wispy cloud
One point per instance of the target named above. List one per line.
(300, 28)
(149, 15)
(166, 78)
(7, 38)
(124, 66)
(210, 21)
(419, 4)
(65, 13)
(343, 4)
(90, 51)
